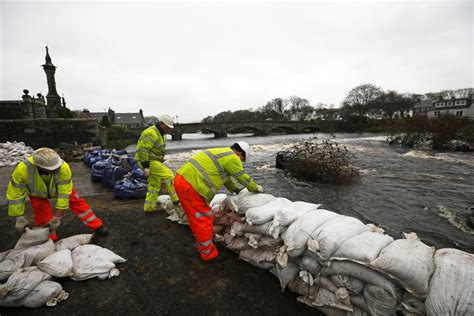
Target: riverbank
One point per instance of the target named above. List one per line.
(162, 274)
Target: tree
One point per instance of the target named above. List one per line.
(151, 119)
(105, 121)
(391, 102)
(297, 104)
(359, 98)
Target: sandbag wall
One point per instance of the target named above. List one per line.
(339, 264)
(118, 171)
(29, 268)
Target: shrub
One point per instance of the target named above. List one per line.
(318, 161)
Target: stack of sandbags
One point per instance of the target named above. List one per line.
(13, 153)
(340, 265)
(35, 259)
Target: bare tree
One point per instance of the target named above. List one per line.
(360, 97)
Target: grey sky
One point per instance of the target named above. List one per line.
(200, 58)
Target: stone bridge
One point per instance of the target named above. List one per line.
(221, 129)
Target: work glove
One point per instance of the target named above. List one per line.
(146, 172)
(55, 222)
(21, 223)
(260, 189)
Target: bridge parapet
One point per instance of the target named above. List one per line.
(222, 129)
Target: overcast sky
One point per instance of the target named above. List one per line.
(196, 59)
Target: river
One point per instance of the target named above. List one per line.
(400, 190)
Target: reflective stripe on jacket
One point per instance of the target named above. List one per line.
(209, 170)
(26, 180)
(151, 145)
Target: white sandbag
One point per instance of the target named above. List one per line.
(88, 264)
(245, 200)
(411, 305)
(299, 232)
(240, 229)
(291, 212)
(379, 302)
(409, 261)
(263, 259)
(325, 298)
(32, 237)
(451, 290)
(362, 273)
(73, 241)
(59, 264)
(362, 248)
(254, 239)
(311, 264)
(258, 215)
(45, 292)
(217, 202)
(35, 254)
(19, 284)
(13, 260)
(286, 274)
(331, 234)
(353, 285)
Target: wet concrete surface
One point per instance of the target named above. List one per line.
(162, 275)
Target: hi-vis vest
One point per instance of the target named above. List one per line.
(151, 145)
(27, 180)
(209, 170)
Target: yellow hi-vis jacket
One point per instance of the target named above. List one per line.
(27, 180)
(209, 170)
(151, 145)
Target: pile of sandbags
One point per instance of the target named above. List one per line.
(13, 153)
(339, 264)
(29, 267)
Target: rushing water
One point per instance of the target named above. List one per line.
(400, 190)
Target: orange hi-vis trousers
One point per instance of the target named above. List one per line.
(199, 215)
(44, 213)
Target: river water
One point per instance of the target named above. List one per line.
(400, 190)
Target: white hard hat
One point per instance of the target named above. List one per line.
(47, 159)
(167, 120)
(246, 148)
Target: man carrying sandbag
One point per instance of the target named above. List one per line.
(150, 155)
(45, 176)
(198, 180)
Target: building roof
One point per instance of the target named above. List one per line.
(98, 115)
(128, 118)
(424, 104)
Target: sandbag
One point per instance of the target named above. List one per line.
(261, 214)
(286, 274)
(59, 264)
(72, 242)
(13, 260)
(263, 259)
(88, 264)
(285, 216)
(411, 305)
(409, 261)
(353, 285)
(240, 229)
(35, 254)
(362, 248)
(299, 232)
(130, 188)
(331, 234)
(217, 202)
(362, 273)
(379, 302)
(32, 237)
(310, 264)
(19, 284)
(451, 289)
(236, 243)
(245, 200)
(46, 292)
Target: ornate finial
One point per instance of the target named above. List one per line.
(48, 58)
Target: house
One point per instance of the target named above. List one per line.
(460, 107)
(421, 108)
(128, 120)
